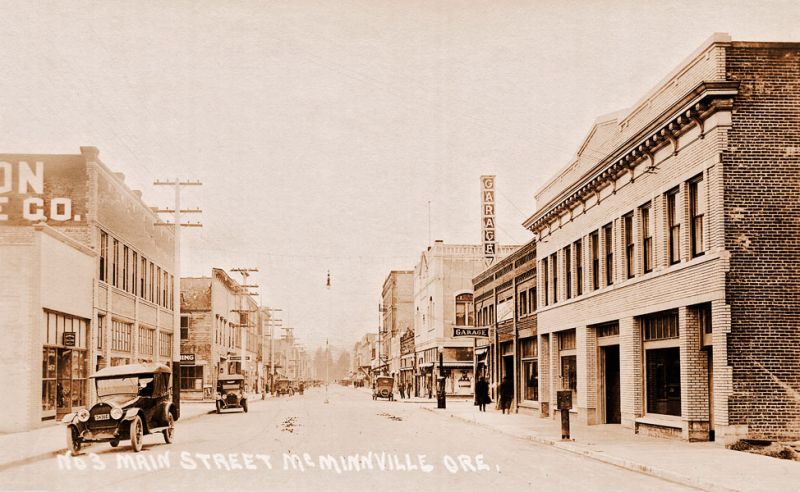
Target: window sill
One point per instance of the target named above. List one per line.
(672, 421)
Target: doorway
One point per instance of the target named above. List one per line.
(611, 383)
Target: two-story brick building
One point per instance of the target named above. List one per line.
(669, 267)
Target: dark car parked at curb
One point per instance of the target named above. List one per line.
(230, 392)
(134, 400)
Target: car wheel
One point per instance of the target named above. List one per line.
(219, 406)
(137, 434)
(169, 432)
(244, 406)
(73, 440)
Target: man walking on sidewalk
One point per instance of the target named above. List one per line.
(506, 395)
(482, 394)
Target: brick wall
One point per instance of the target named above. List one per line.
(762, 231)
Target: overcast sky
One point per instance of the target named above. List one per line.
(321, 129)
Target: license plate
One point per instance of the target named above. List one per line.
(102, 416)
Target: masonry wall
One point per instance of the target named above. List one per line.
(762, 230)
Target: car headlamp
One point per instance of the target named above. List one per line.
(116, 413)
(83, 415)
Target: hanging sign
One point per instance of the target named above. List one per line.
(488, 219)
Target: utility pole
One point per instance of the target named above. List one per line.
(327, 349)
(272, 324)
(243, 292)
(176, 284)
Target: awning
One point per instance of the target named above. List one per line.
(482, 350)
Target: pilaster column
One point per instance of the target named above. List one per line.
(631, 385)
(586, 345)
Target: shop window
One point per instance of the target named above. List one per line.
(530, 373)
(121, 336)
(192, 377)
(566, 340)
(608, 330)
(464, 313)
(661, 326)
(663, 381)
(674, 227)
(647, 239)
(569, 374)
(64, 364)
(697, 208)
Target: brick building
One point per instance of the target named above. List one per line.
(220, 334)
(505, 302)
(87, 281)
(398, 316)
(443, 302)
(669, 267)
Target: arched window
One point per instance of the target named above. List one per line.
(464, 313)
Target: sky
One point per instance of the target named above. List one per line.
(323, 132)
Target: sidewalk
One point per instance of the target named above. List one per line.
(23, 447)
(707, 466)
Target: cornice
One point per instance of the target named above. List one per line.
(689, 111)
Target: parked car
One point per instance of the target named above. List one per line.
(134, 400)
(230, 392)
(284, 387)
(383, 388)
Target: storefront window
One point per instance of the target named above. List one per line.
(63, 367)
(192, 377)
(664, 381)
(530, 371)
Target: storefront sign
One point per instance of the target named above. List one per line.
(187, 358)
(238, 358)
(68, 339)
(471, 332)
(38, 188)
(488, 219)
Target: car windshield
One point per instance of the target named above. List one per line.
(118, 390)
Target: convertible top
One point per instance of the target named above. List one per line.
(231, 377)
(131, 370)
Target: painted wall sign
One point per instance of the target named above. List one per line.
(36, 188)
(488, 219)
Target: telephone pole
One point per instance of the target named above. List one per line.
(272, 324)
(176, 287)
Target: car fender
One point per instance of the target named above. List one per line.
(169, 409)
(131, 413)
(69, 418)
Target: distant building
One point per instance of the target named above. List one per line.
(220, 334)
(87, 281)
(669, 267)
(398, 316)
(443, 301)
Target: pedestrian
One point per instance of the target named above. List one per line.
(408, 389)
(402, 389)
(506, 395)
(482, 394)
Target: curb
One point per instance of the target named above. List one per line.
(49, 454)
(605, 458)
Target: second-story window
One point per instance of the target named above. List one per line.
(627, 223)
(647, 239)
(103, 256)
(554, 265)
(464, 315)
(578, 267)
(545, 282)
(697, 209)
(114, 262)
(608, 239)
(594, 243)
(674, 227)
(568, 271)
(126, 258)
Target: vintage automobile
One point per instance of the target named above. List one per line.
(134, 400)
(230, 392)
(284, 387)
(383, 388)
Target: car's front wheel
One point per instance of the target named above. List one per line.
(73, 440)
(169, 432)
(137, 434)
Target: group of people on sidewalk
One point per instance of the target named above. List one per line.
(406, 390)
(506, 394)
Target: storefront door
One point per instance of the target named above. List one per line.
(611, 384)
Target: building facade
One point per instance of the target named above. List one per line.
(505, 302)
(398, 317)
(443, 301)
(87, 280)
(668, 263)
(220, 334)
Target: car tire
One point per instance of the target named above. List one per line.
(169, 432)
(244, 406)
(136, 433)
(114, 443)
(73, 440)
